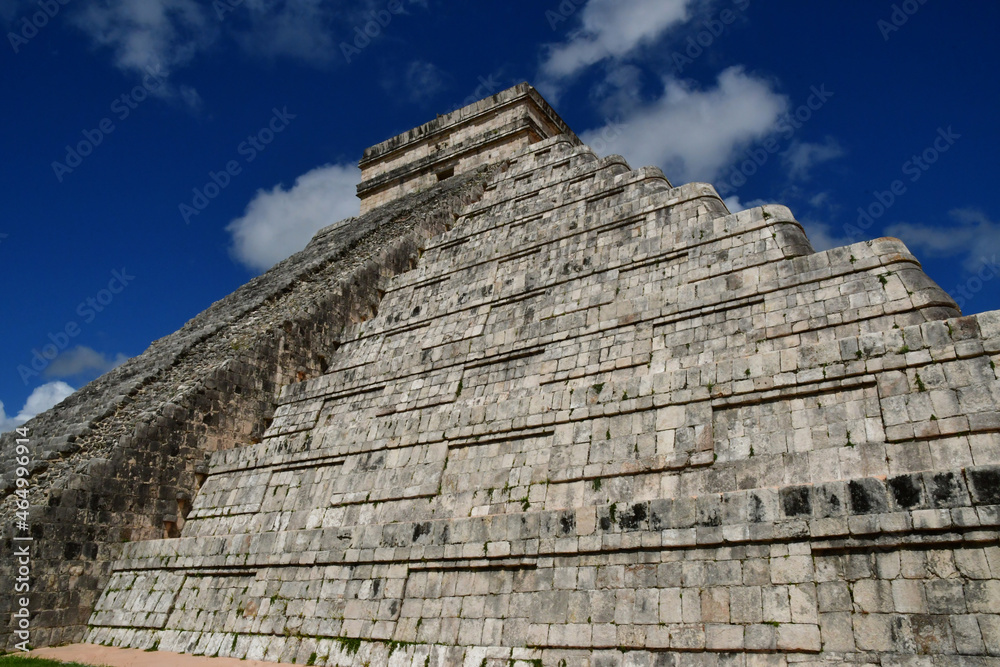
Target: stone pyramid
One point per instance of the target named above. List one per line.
(536, 407)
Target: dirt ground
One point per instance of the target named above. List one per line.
(91, 654)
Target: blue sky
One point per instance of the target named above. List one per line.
(159, 153)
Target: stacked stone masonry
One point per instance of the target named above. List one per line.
(121, 459)
(605, 422)
(482, 133)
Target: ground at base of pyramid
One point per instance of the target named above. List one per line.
(536, 407)
(108, 656)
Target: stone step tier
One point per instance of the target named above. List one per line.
(605, 421)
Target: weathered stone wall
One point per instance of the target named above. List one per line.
(485, 132)
(120, 460)
(605, 422)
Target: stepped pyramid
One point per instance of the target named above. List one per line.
(536, 407)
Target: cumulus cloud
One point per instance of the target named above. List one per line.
(817, 200)
(424, 80)
(693, 133)
(613, 29)
(168, 34)
(619, 91)
(148, 33)
(7, 423)
(82, 359)
(302, 29)
(802, 156)
(735, 205)
(280, 222)
(40, 400)
(973, 238)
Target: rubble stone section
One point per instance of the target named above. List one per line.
(604, 421)
(485, 132)
(120, 460)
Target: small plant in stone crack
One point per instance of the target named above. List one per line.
(596, 484)
(849, 443)
(921, 387)
(350, 645)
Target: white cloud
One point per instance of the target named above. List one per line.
(82, 359)
(735, 205)
(692, 134)
(620, 90)
(819, 199)
(803, 156)
(424, 80)
(169, 34)
(279, 222)
(973, 237)
(41, 399)
(296, 28)
(613, 29)
(149, 33)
